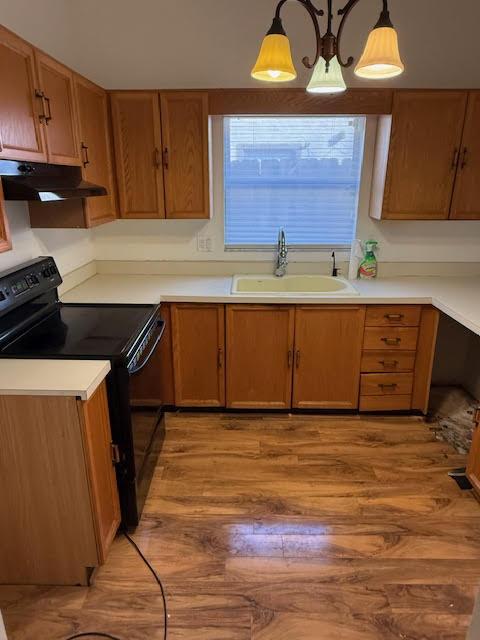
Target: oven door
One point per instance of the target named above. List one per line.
(146, 413)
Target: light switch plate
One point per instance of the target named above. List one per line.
(205, 244)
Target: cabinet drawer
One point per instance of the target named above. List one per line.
(401, 338)
(387, 361)
(387, 315)
(380, 384)
(385, 403)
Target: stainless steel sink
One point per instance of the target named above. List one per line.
(305, 285)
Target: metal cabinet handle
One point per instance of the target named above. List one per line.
(392, 385)
(289, 358)
(39, 94)
(388, 363)
(394, 316)
(86, 159)
(165, 158)
(48, 117)
(297, 358)
(391, 341)
(455, 158)
(220, 358)
(464, 158)
(115, 451)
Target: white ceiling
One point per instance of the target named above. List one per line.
(213, 43)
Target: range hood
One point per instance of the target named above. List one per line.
(45, 182)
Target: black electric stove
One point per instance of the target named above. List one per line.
(35, 324)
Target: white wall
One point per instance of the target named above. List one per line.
(71, 248)
(214, 43)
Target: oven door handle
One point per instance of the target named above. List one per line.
(139, 367)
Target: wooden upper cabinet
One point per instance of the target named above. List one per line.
(138, 153)
(466, 196)
(95, 145)
(259, 356)
(59, 110)
(94, 417)
(328, 347)
(185, 154)
(199, 354)
(21, 131)
(424, 150)
(5, 241)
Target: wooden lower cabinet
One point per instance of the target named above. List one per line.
(60, 508)
(259, 356)
(473, 462)
(328, 348)
(198, 339)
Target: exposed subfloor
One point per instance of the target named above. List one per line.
(279, 528)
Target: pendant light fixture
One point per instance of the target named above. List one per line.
(380, 58)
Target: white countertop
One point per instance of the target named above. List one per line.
(458, 297)
(24, 377)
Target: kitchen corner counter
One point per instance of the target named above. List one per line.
(458, 297)
(23, 377)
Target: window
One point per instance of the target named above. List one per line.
(299, 173)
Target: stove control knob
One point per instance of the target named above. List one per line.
(46, 272)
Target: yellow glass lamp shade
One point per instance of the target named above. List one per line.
(381, 57)
(274, 62)
(323, 81)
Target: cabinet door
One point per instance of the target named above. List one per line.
(185, 154)
(138, 154)
(61, 130)
(198, 354)
(21, 131)
(5, 242)
(473, 462)
(154, 384)
(101, 474)
(466, 195)
(424, 148)
(328, 347)
(259, 356)
(95, 146)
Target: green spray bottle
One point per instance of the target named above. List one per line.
(368, 266)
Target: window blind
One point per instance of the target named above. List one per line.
(299, 173)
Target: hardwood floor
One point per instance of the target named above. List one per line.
(279, 528)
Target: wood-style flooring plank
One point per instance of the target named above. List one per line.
(273, 527)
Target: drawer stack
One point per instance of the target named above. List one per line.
(388, 357)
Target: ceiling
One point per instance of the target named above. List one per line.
(213, 43)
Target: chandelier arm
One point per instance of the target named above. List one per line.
(344, 13)
(313, 13)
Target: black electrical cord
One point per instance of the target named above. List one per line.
(99, 634)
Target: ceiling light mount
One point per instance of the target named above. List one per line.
(380, 58)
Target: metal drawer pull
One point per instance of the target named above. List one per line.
(392, 341)
(464, 158)
(388, 363)
(392, 385)
(394, 316)
(290, 358)
(220, 358)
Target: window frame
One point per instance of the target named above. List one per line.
(370, 126)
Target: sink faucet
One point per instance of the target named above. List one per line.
(335, 269)
(282, 251)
